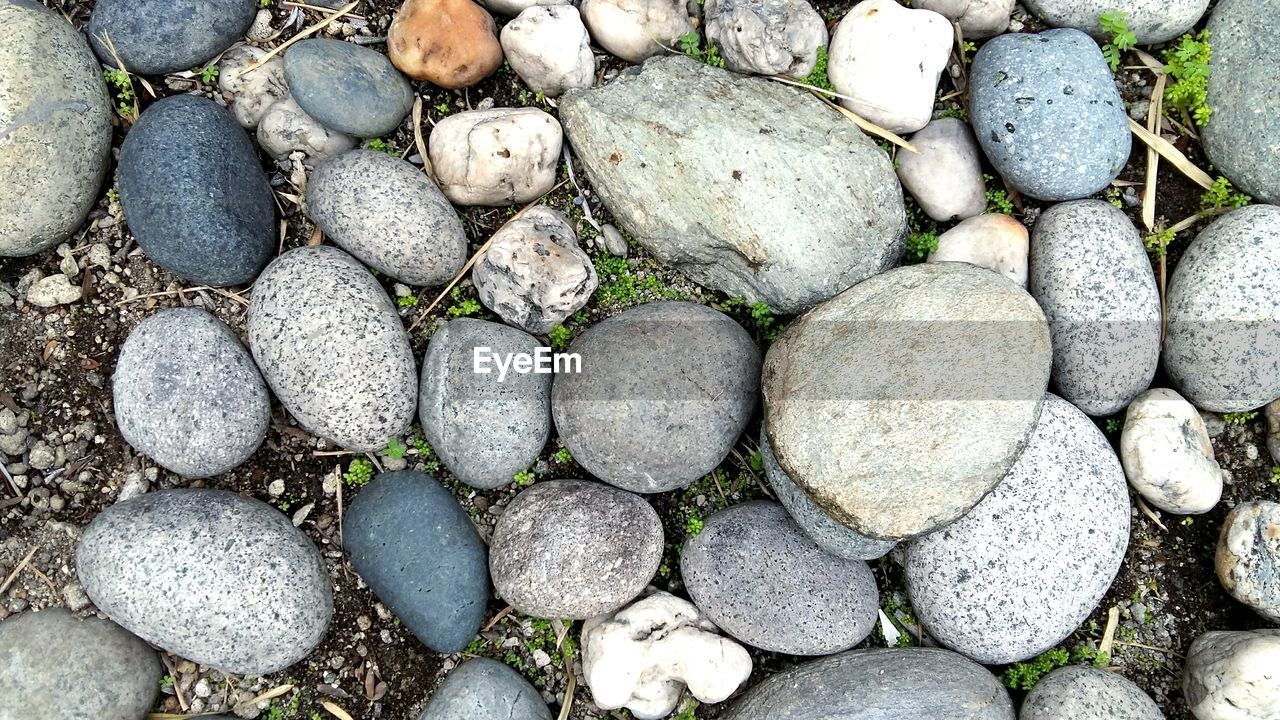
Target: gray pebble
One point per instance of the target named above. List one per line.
(946, 176)
(1085, 693)
(347, 87)
(484, 688)
(154, 37)
(1151, 21)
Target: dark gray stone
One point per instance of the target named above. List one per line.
(1047, 113)
(415, 546)
(1152, 21)
(763, 581)
(665, 390)
(484, 688)
(1085, 693)
(194, 193)
(211, 576)
(154, 37)
(347, 87)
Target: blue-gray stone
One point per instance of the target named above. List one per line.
(153, 37)
(194, 193)
(1078, 692)
(483, 688)
(347, 87)
(1048, 115)
(416, 548)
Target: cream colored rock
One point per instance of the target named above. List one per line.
(996, 242)
(766, 37)
(945, 178)
(888, 58)
(250, 93)
(1248, 555)
(286, 128)
(978, 19)
(635, 30)
(1167, 455)
(1232, 676)
(512, 8)
(496, 157)
(549, 49)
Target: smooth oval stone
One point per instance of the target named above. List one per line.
(154, 37)
(347, 87)
(1167, 454)
(1085, 693)
(1249, 554)
(194, 193)
(389, 214)
(1047, 113)
(415, 546)
(944, 351)
(574, 550)
(332, 348)
(1092, 277)
(1151, 21)
(485, 427)
(665, 390)
(55, 129)
(762, 580)
(484, 688)
(916, 683)
(1222, 313)
(1026, 566)
(216, 578)
(1231, 675)
(55, 665)
(188, 395)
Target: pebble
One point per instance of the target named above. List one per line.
(484, 688)
(513, 8)
(1248, 555)
(347, 87)
(946, 177)
(253, 92)
(53, 291)
(1151, 21)
(766, 37)
(978, 19)
(664, 392)
(1084, 693)
(614, 243)
(572, 549)
(635, 30)
(203, 598)
(1273, 429)
(156, 37)
(996, 242)
(389, 214)
(450, 43)
(496, 157)
(1167, 454)
(549, 49)
(1228, 675)
(416, 548)
(285, 128)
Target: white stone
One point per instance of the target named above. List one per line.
(888, 58)
(1248, 555)
(512, 8)
(1167, 455)
(766, 37)
(53, 291)
(642, 657)
(633, 29)
(549, 49)
(1232, 676)
(978, 19)
(996, 242)
(945, 178)
(496, 157)
(261, 30)
(250, 93)
(286, 128)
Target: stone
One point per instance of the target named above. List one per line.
(188, 395)
(664, 392)
(888, 59)
(662, 147)
(1079, 692)
(484, 426)
(878, 684)
(1092, 277)
(946, 177)
(484, 688)
(53, 291)
(549, 49)
(243, 556)
(572, 549)
(978, 19)
(332, 348)
(389, 214)
(1272, 414)
(1151, 21)
(755, 574)
(939, 350)
(250, 92)
(496, 157)
(156, 37)
(1167, 455)
(1231, 675)
(645, 655)
(766, 37)
(635, 30)
(534, 275)
(350, 88)
(55, 665)
(450, 43)
(56, 120)
(995, 241)
(195, 196)
(416, 548)
(1248, 554)
(1024, 568)
(285, 128)
(1047, 114)
(513, 8)
(1222, 313)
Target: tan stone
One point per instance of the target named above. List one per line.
(451, 43)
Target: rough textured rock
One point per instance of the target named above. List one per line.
(484, 688)
(513, 8)
(978, 19)
(664, 392)
(389, 214)
(669, 136)
(549, 49)
(1092, 277)
(1222, 313)
(53, 291)
(1231, 675)
(250, 93)
(502, 156)
(946, 177)
(486, 427)
(918, 683)
(187, 394)
(415, 546)
(56, 120)
(766, 37)
(636, 29)
(1152, 21)
(55, 665)
(1273, 429)
(851, 387)
(451, 43)
(573, 549)
(1167, 455)
(1248, 556)
(1047, 113)
(1026, 566)
(285, 128)
(154, 37)
(996, 242)
(248, 557)
(332, 348)
(194, 194)
(347, 87)
(1086, 693)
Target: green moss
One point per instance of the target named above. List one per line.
(818, 77)
(560, 337)
(1025, 675)
(1239, 418)
(358, 473)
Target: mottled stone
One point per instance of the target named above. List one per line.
(484, 688)
(513, 8)
(350, 88)
(502, 156)
(52, 291)
(549, 49)
(154, 37)
(1151, 21)
(250, 92)
(1085, 693)
(995, 241)
(1249, 555)
(945, 178)
(635, 30)
(1231, 675)
(450, 43)
(978, 19)
(766, 37)
(285, 128)
(1167, 455)
(1272, 415)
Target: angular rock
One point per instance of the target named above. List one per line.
(250, 93)
(662, 146)
(996, 242)
(285, 128)
(451, 43)
(484, 688)
(243, 555)
(1230, 675)
(549, 49)
(635, 30)
(1167, 455)
(415, 546)
(1151, 21)
(347, 87)
(53, 291)
(978, 19)
(154, 37)
(502, 156)
(1085, 693)
(1026, 566)
(1248, 555)
(766, 37)
(946, 177)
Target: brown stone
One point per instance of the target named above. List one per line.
(451, 43)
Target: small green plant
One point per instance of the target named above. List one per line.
(404, 302)
(998, 202)
(1239, 418)
(1085, 654)
(1113, 23)
(126, 98)
(1158, 242)
(1187, 63)
(691, 45)
(1221, 195)
(693, 525)
(358, 473)
(443, 108)
(425, 454)
(689, 711)
(958, 112)
(207, 74)
(463, 306)
(264, 3)
(1275, 474)
(522, 478)
(1188, 522)
(1025, 675)
(563, 456)
(818, 76)
(1115, 425)
(166, 683)
(921, 244)
(559, 337)
(113, 195)
(621, 287)
(395, 449)
(380, 145)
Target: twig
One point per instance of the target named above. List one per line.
(858, 120)
(1172, 154)
(497, 618)
(318, 8)
(45, 579)
(1142, 505)
(1152, 648)
(1109, 635)
(335, 710)
(177, 687)
(341, 541)
(165, 293)
(332, 453)
(18, 568)
(305, 33)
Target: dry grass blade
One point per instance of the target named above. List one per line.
(568, 695)
(177, 687)
(271, 694)
(1153, 158)
(328, 19)
(1109, 635)
(1188, 223)
(334, 710)
(1172, 154)
(1148, 60)
(178, 716)
(18, 568)
(164, 293)
(418, 141)
(861, 122)
(317, 8)
(497, 618)
(1146, 510)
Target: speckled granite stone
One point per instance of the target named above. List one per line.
(350, 88)
(1231, 675)
(154, 37)
(484, 688)
(1152, 21)
(1248, 557)
(1085, 693)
